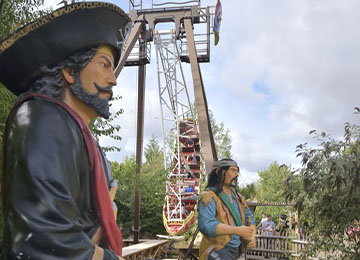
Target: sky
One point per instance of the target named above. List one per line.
(281, 69)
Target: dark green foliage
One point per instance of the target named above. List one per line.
(125, 174)
(16, 13)
(152, 188)
(327, 193)
(248, 191)
(6, 101)
(152, 151)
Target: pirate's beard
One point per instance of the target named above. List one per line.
(100, 105)
(233, 182)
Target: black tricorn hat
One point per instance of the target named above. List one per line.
(59, 35)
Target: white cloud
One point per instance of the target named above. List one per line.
(52, 3)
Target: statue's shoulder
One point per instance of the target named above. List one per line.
(207, 196)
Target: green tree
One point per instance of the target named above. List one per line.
(153, 151)
(270, 188)
(326, 191)
(221, 134)
(15, 13)
(124, 199)
(151, 184)
(152, 187)
(248, 191)
(153, 191)
(6, 101)
(271, 184)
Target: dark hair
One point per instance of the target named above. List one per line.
(217, 176)
(283, 216)
(49, 80)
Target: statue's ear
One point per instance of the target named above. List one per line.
(68, 75)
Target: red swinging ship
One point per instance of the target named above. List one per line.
(183, 184)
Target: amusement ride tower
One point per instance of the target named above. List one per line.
(187, 41)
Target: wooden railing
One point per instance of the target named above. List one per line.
(299, 243)
(275, 244)
(144, 250)
(278, 246)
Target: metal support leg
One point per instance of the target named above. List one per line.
(139, 146)
(207, 139)
(126, 50)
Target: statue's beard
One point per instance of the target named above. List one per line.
(100, 105)
(233, 182)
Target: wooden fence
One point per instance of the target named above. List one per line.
(299, 243)
(145, 249)
(273, 244)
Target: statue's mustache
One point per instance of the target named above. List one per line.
(107, 89)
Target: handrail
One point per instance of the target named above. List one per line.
(145, 249)
(176, 3)
(139, 6)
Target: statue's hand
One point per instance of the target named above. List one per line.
(245, 233)
(253, 240)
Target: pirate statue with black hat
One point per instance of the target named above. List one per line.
(225, 221)
(55, 177)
